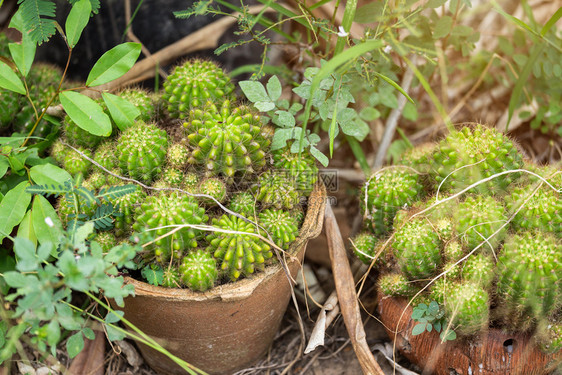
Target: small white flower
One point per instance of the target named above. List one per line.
(387, 49)
(49, 222)
(342, 33)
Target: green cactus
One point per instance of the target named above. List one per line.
(141, 151)
(215, 188)
(198, 271)
(105, 155)
(540, 209)
(364, 247)
(281, 226)
(192, 85)
(243, 203)
(418, 249)
(239, 254)
(74, 163)
(127, 206)
(453, 251)
(172, 177)
(226, 140)
(550, 337)
(472, 154)
(479, 269)
(385, 194)
(165, 209)
(96, 180)
(142, 100)
(419, 158)
(171, 278)
(106, 240)
(468, 308)
(58, 151)
(177, 156)
(453, 270)
(529, 274)
(273, 189)
(68, 211)
(479, 217)
(440, 290)
(396, 285)
(299, 167)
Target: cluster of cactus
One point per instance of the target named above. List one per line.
(217, 203)
(491, 254)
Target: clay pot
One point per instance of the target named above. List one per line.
(228, 327)
(491, 353)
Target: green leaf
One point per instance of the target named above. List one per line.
(86, 113)
(254, 91)
(114, 63)
(89, 333)
(535, 52)
(433, 308)
(15, 279)
(153, 274)
(274, 88)
(448, 335)
(284, 119)
(53, 333)
(113, 316)
(369, 12)
(42, 211)
(442, 27)
(113, 334)
(395, 85)
(35, 23)
(83, 232)
(264, 106)
(25, 229)
(515, 20)
(75, 344)
(418, 329)
(49, 174)
(323, 159)
(7, 263)
(77, 20)
(552, 20)
(13, 208)
(44, 251)
(435, 3)
(23, 54)
(10, 80)
(4, 164)
(122, 111)
(25, 255)
(429, 327)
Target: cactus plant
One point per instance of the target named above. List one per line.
(213, 187)
(273, 189)
(299, 167)
(395, 284)
(127, 206)
(387, 192)
(141, 151)
(226, 140)
(177, 156)
(165, 209)
(198, 270)
(467, 306)
(281, 225)
(105, 155)
(364, 245)
(171, 278)
(472, 154)
(74, 163)
(192, 85)
(142, 100)
(479, 218)
(238, 253)
(243, 203)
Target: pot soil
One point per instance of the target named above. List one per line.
(492, 353)
(228, 327)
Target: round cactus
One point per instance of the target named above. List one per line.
(141, 151)
(529, 274)
(468, 308)
(172, 177)
(299, 168)
(239, 253)
(453, 251)
(472, 154)
(177, 156)
(395, 284)
(106, 240)
(105, 155)
(243, 203)
(364, 247)
(550, 337)
(419, 158)
(198, 270)
(127, 206)
(453, 270)
(142, 101)
(74, 163)
(479, 269)
(418, 249)
(78, 136)
(226, 140)
(281, 226)
(387, 192)
(213, 187)
(96, 180)
(192, 85)
(479, 217)
(275, 190)
(58, 151)
(165, 209)
(171, 278)
(540, 209)
(440, 290)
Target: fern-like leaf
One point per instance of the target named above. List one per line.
(35, 13)
(199, 8)
(48, 190)
(103, 218)
(89, 197)
(114, 192)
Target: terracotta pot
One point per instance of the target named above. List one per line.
(229, 327)
(492, 353)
